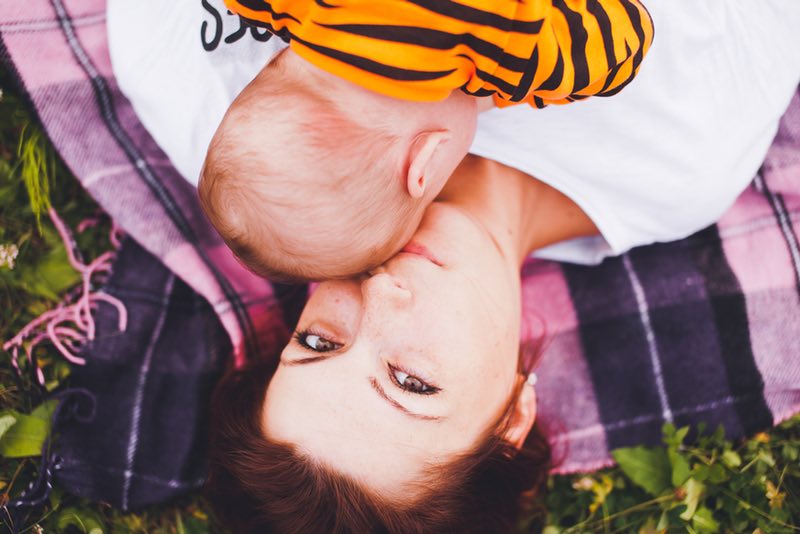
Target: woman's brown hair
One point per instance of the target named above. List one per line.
(259, 485)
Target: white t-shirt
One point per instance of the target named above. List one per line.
(657, 162)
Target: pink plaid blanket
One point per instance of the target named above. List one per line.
(703, 329)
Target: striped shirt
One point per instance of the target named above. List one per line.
(536, 51)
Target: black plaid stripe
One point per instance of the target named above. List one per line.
(729, 314)
(616, 351)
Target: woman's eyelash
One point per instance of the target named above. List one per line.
(409, 377)
(315, 342)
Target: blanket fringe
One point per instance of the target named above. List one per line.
(70, 324)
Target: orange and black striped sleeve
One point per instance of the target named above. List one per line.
(536, 51)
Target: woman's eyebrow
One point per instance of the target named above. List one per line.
(304, 361)
(377, 387)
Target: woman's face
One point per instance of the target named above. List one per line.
(400, 369)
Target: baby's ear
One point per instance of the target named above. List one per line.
(421, 161)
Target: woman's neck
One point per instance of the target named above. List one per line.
(521, 213)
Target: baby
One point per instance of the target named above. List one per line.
(324, 164)
(310, 176)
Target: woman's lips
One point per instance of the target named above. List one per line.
(421, 250)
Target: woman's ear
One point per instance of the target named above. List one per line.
(421, 160)
(522, 416)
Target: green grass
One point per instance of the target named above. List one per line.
(711, 485)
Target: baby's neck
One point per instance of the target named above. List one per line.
(520, 212)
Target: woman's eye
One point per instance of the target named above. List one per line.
(315, 342)
(412, 384)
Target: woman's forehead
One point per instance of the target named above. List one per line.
(347, 427)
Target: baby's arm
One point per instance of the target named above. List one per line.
(540, 51)
(584, 48)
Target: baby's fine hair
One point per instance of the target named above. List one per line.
(298, 188)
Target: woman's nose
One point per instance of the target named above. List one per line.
(384, 289)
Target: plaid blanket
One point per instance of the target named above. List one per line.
(705, 329)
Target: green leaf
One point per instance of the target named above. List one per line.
(731, 459)
(649, 527)
(694, 490)
(766, 457)
(45, 410)
(179, 523)
(55, 498)
(52, 274)
(193, 525)
(701, 428)
(703, 521)
(647, 467)
(59, 371)
(700, 472)
(663, 521)
(717, 474)
(790, 452)
(6, 422)
(25, 438)
(673, 436)
(680, 468)
(84, 520)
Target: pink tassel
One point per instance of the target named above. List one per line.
(52, 325)
(115, 235)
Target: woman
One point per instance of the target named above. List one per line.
(399, 406)
(661, 160)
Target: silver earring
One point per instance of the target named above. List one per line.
(532, 379)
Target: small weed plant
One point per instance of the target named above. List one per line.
(704, 485)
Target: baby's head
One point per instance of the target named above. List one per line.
(310, 176)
